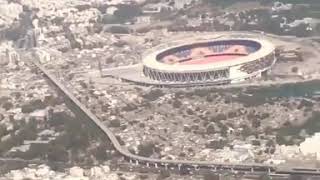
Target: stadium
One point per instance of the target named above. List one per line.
(215, 61)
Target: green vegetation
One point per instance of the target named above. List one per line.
(226, 3)
(153, 95)
(27, 132)
(3, 130)
(290, 135)
(146, 149)
(32, 106)
(75, 140)
(125, 13)
(7, 105)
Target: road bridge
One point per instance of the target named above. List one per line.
(177, 165)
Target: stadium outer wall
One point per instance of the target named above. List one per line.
(231, 71)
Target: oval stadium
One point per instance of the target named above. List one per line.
(218, 61)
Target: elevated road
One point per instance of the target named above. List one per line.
(177, 165)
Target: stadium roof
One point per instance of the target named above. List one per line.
(150, 60)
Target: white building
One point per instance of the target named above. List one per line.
(181, 4)
(110, 10)
(279, 6)
(143, 20)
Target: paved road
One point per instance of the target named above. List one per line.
(178, 165)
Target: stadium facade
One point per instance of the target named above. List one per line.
(211, 61)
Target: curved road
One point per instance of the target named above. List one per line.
(172, 164)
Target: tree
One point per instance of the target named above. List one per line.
(146, 149)
(57, 152)
(153, 94)
(100, 153)
(119, 30)
(7, 105)
(256, 123)
(111, 19)
(32, 106)
(3, 130)
(83, 7)
(301, 30)
(201, 92)
(176, 103)
(294, 69)
(60, 118)
(189, 111)
(211, 128)
(246, 131)
(163, 174)
(127, 12)
(211, 176)
(209, 98)
(1, 117)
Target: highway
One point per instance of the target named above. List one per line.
(177, 165)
